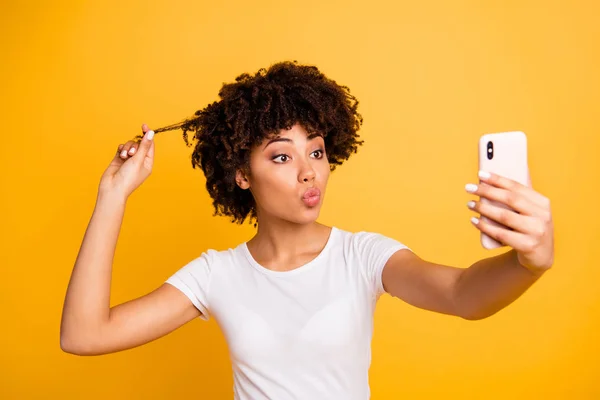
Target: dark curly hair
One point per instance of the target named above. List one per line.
(257, 107)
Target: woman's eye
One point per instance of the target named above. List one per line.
(320, 153)
(280, 156)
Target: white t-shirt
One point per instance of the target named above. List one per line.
(299, 334)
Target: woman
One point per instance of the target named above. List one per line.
(296, 301)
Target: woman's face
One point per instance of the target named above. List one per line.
(282, 169)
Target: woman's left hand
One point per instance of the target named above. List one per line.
(532, 236)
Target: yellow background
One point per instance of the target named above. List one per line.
(79, 78)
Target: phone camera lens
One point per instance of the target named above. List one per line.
(490, 150)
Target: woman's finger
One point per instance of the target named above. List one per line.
(133, 149)
(513, 186)
(517, 240)
(146, 144)
(118, 152)
(513, 200)
(125, 150)
(518, 222)
(130, 148)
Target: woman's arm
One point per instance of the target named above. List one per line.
(89, 326)
(471, 293)
(492, 283)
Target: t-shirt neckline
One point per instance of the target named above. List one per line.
(296, 270)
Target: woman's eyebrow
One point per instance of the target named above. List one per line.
(282, 139)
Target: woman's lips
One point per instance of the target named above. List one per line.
(312, 197)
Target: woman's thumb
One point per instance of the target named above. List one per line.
(151, 150)
(146, 148)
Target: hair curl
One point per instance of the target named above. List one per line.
(257, 107)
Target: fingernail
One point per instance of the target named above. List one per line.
(471, 204)
(149, 135)
(132, 150)
(124, 153)
(475, 220)
(484, 174)
(470, 187)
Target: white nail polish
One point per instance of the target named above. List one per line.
(471, 204)
(475, 220)
(124, 153)
(484, 174)
(469, 187)
(132, 150)
(149, 135)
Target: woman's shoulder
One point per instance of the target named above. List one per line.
(211, 256)
(357, 234)
(366, 238)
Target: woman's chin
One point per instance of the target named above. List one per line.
(309, 214)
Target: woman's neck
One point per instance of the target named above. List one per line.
(284, 242)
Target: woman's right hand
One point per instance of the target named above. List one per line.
(130, 167)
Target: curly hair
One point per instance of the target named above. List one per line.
(257, 107)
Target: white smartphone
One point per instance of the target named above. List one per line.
(504, 154)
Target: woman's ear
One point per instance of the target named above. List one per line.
(241, 179)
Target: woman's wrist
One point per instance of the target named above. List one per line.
(115, 197)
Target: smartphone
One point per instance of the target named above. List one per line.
(505, 154)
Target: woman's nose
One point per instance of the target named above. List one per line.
(307, 174)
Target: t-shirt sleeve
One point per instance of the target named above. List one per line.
(194, 280)
(374, 250)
